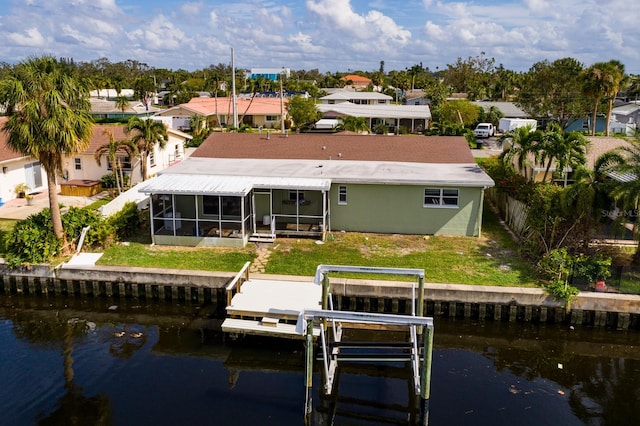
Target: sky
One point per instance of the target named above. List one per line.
(330, 35)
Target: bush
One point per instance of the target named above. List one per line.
(100, 233)
(126, 222)
(380, 129)
(32, 240)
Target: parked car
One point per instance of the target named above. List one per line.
(484, 130)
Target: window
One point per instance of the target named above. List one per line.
(441, 197)
(152, 158)
(123, 162)
(77, 163)
(342, 195)
(271, 118)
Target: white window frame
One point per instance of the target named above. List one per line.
(152, 158)
(342, 195)
(437, 198)
(77, 163)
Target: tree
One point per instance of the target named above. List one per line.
(624, 164)
(147, 134)
(598, 83)
(49, 116)
(568, 150)
(523, 149)
(553, 90)
(122, 103)
(304, 112)
(616, 76)
(111, 149)
(354, 124)
(471, 76)
(458, 111)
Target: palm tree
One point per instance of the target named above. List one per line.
(148, 133)
(598, 82)
(623, 164)
(111, 150)
(122, 103)
(48, 109)
(616, 73)
(567, 149)
(523, 144)
(354, 124)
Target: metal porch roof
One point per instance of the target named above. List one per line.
(237, 186)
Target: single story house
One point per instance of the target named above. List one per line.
(83, 166)
(256, 112)
(356, 82)
(103, 108)
(415, 118)
(241, 187)
(18, 169)
(357, 98)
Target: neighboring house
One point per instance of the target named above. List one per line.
(241, 187)
(18, 168)
(356, 98)
(508, 109)
(356, 82)
(584, 125)
(255, 112)
(416, 97)
(111, 93)
(415, 118)
(83, 166)
(625, 118)
(103, 108)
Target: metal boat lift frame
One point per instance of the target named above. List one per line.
(417, 326)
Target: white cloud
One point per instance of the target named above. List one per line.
(30, 38)
(191, 8)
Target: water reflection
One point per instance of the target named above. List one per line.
(156, 364)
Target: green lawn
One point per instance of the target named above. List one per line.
(490, 260)
(6, 226)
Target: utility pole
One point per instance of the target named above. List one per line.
(281, 102)
(233, 89)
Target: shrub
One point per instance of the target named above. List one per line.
(99, 234)
(32, 240)
(126, 222)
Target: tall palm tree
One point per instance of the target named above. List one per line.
(598, 80)
(111, 150)
(616, 78)
(48, 109)
(147, 134)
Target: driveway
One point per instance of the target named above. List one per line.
(490, 148)
(19, 209)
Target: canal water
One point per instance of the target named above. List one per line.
(117, 362)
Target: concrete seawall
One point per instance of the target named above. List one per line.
(452, 300)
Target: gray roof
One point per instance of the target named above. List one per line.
(509, 109)
(351, 94)
(626, 109)
(238, 176)
(378, 111)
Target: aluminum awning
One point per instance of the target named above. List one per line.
(238, 186)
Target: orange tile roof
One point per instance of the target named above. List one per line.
(6, 153)
(257, 106)
(356, 78)
(422, 149)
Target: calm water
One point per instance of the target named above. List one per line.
(65, 362)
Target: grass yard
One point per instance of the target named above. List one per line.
(491, 260)
(6, 226)
(205, 259)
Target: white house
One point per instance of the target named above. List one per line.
(356, 98)
(84, 167)
(415, 118)
(16, 169)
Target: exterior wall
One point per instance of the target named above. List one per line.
(376, 208)
(13, 173)
(91, 171)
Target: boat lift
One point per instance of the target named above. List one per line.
(334, 349)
